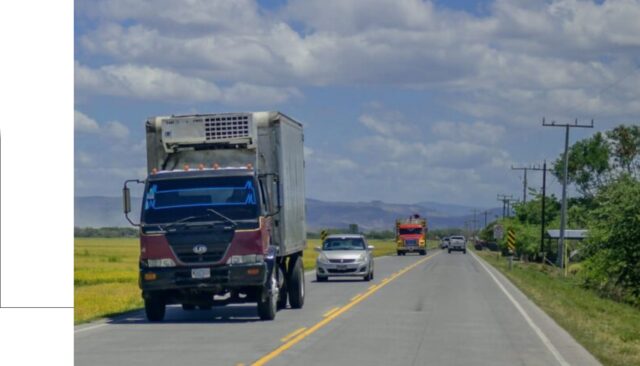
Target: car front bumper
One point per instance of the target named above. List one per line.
(342, 270)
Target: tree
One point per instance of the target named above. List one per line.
(613, 245)
(625, 147)
(589, 167)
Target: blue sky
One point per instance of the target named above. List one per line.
(402, 100)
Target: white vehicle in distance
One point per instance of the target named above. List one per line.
(459, 243)
(344, 255)
(444, 243)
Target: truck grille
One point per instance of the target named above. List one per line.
(411, 243)
(222, 128)
(182, 243)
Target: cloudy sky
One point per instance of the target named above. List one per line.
(402, 100)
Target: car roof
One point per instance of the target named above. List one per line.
(345, 236)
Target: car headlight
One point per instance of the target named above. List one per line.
(245, 259)
(162, 262)
(322, 258)
(362, 257)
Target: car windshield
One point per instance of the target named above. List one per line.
(194, 199)
(343, 244)
(457, 237)
(410, 230)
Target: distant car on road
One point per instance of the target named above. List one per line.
(458, 243)
(444, 243)
(344, 255)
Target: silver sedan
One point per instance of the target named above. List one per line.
(344, 256)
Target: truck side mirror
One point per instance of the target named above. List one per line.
(126, 199)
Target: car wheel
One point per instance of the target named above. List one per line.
(449, 251)
(154, 308)
(320, 278)
(296, 284)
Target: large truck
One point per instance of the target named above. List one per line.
(411, 235)
(223, 212)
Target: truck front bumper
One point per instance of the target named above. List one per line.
(221, 277)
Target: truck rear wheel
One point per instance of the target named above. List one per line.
(296, 283)
(268, 299)
(154, 308)
(282, 294)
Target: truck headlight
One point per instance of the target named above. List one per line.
(246, 259)
(162, 262)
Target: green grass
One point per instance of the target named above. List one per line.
(106, 274)
(608, 329)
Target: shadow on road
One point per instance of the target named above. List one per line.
(176, 315)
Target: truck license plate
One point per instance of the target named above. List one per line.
(200, 273)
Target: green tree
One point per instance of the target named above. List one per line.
(613, 246)
(625, 148)
(589, 167)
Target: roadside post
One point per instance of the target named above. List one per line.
(323, 235)
(511, 244)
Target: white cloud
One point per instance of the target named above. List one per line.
(116, 130)
(84, 123)
(388, 126)
(478, 132)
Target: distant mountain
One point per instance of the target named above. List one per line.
(97, 211)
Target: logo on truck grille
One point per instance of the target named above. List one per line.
(199, 249)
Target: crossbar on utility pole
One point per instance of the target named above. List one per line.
(504, 199)
(563, 213)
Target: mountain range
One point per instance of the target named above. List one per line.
(100, 211)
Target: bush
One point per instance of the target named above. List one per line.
(613, 247)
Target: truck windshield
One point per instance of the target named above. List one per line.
(343, 244)
(167, 201)
(409, 231)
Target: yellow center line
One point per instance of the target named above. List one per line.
(372, 286)
(293, 334)
(329, 318)
(356, 297)
(331, 311)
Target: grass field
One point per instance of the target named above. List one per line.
(106, 271)
(608, 329)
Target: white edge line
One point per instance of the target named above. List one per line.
(526, 317)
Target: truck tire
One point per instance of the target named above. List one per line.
(423, 252)
(296, 283)
(268, 300)
(154, 308)
(282, 294)
(188, 307)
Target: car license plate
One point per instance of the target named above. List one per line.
(341, 266)
(200, 273)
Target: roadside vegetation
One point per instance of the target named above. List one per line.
(608, 329)
(106, 274)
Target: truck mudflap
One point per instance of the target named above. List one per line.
(205, 277)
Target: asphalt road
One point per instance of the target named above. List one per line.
(444, 309)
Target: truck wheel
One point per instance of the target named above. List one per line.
(423, 252)
(296, 284)
(282, 293)
(399, 254)
(188, 307)
(154, 308)
(268, 299)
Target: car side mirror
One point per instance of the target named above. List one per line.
(317, 249)
(371, 247)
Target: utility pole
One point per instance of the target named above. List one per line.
(475, 219)
(544, 198)
(485, 217)
(505, 201)
(524, 190)
(563, 212)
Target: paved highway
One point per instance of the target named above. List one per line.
(444, 309)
